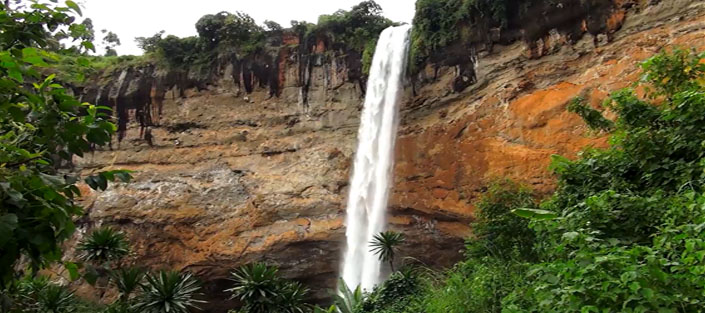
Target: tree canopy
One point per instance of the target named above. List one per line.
(42, 129)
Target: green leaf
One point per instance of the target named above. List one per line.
(124, 175)
(535, 214)
(8, 224)
(88, 45)
(15, 74)
(73, 270)
(570, 236)
(74, 6)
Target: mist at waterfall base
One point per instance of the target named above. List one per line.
(372, 169)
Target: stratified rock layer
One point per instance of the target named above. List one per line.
(230, 178)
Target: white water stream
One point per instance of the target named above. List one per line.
(372, 171)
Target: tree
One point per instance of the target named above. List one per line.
(273, 26)
(149, 44)
(169, 291)
(497, 231)
(238, 29)
(42, 129)
(385, 244)
(110, 41)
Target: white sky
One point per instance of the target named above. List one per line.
(135, 18)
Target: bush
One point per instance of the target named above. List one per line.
(628, 215)
(354, 28)
(439, 23)
(497, 231)
(399, 294)
(476, 285)
(261, 290)
(103, 245)
(169, 291)
(624, 230)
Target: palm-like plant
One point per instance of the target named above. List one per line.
(103, 245)
(384, 245)
(127, 281)
(346, 300)
(261, 290)
(292, 298)
(55, 299)
(169, 292)
(257, 286)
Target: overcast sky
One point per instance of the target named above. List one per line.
(134, 18)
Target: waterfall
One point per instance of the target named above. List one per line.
(372, 171)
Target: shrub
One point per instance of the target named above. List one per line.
(128, 281)
(624, 230)
(400, 293)
(355, 28)
(628, 214)
(103, 245)
(42, 129)
(261, 290)
(476, 285)
(497, 231)
(169, 291)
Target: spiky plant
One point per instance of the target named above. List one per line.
(103, 245)
(169, 292)
(292, 298)
(54, 298)
(127, 281)
(346, 300)
(256, 286)
(385, 244)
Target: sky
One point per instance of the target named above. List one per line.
(143, 18)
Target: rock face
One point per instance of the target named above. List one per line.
(230, 177)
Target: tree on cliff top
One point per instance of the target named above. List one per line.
(42, 129)
(238, 29)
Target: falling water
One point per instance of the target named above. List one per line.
(369, 186)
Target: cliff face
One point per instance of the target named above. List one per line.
(233, 175)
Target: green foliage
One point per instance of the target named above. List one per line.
(385, 244)
(42, 128)
(180, 51)
(55, 298)
(439, 23)
(436, 25)
(347, 300)
(110, 41)
(497, 231)
(628, 215)
(75, 68)
(149, 44)
(128, 281)
(625, 229)
(237, 33)
(37, 295)
(673, 72)
(273, 26)
(261, 290)
(592, 117)
(399, 294)
(367, 56)
(103, 245)
(356, 29)
(238, 30)
(476, 285)
(169, 291)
